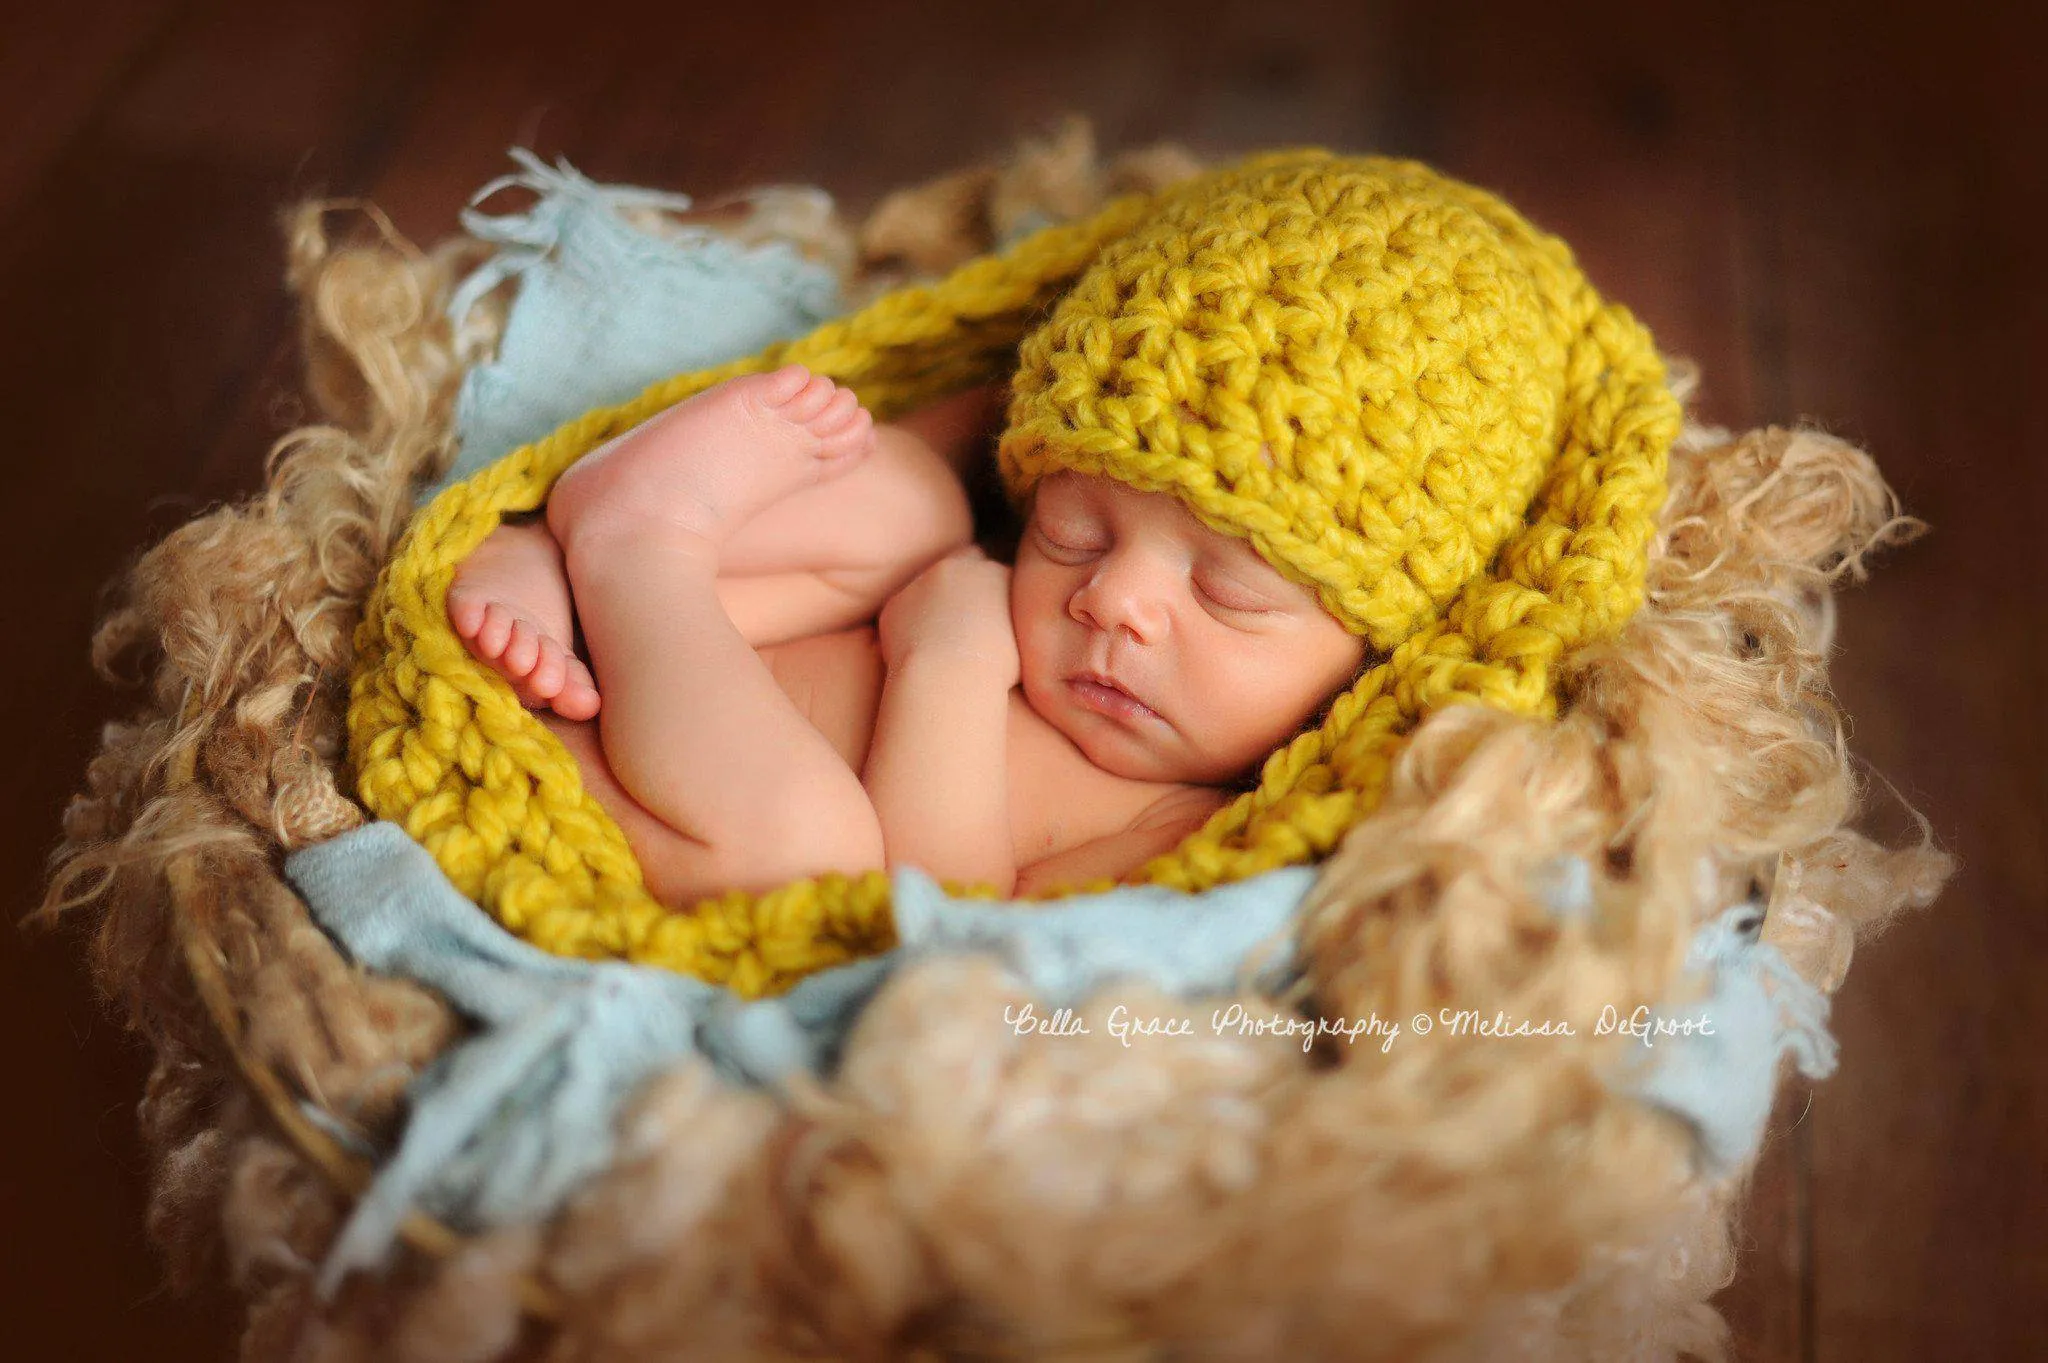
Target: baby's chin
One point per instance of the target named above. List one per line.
(1121, 752)
(1131, 760)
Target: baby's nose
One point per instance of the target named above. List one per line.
(1114, 599)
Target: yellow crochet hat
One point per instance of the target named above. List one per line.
(1405, 397)
(1361, 366)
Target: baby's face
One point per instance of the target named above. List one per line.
(1224, 656)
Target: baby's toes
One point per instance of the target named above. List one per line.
(779, 386)
(549, 672)
(528, 698)
(493, 632)
(848, 439)
(842, 411)
(466, 611)
(810, 401)
(578, 697)
(522, 649)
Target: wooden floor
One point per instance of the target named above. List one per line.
(1839, 213)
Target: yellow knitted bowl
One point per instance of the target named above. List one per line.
(1405, 396)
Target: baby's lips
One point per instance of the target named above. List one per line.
(1103, 679)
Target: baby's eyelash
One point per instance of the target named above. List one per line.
(1229, 605)
(1061, 545)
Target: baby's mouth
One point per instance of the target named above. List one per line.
(1103, 695)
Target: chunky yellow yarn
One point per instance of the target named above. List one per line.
(1406, 397)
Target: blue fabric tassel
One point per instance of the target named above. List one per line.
(605, 309)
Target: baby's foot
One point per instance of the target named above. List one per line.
(705, 466)
(510, 603)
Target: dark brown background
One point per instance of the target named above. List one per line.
(1839, 214)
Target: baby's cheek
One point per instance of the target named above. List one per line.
(1215, 707)
(1033, 644)
(1271, 697)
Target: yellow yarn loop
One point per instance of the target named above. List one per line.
(1401, 393)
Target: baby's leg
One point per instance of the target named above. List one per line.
(694, 725)
(510, 603)
(822, 558)
(827, 557)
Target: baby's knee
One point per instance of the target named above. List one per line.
(927, 513)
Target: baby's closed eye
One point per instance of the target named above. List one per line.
(1230, 594)
(1067, 542)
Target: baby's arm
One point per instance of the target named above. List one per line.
(937, 768)
(1154, 833)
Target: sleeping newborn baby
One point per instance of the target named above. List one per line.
(806, 666)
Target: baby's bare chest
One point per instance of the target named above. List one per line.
(1058, 798)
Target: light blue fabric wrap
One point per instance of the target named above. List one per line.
(505, 1125)
(605, 309)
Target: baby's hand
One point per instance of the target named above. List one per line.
(958, 608)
